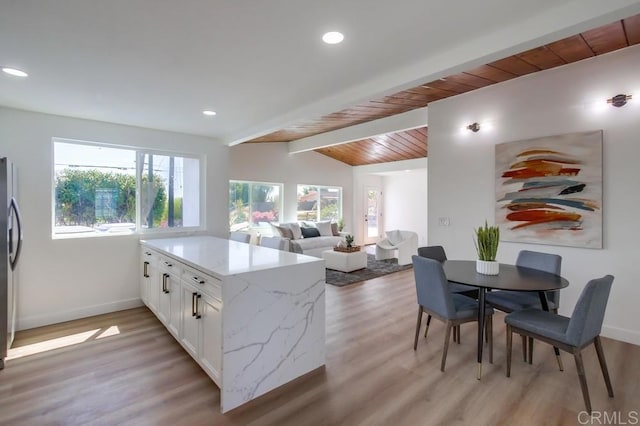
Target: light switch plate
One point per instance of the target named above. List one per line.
(444, 221)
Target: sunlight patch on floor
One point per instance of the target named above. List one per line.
(61, 342)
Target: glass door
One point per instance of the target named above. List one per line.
(372, 214)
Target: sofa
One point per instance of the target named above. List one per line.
(310, 238)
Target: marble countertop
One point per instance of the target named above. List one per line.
(218, 256)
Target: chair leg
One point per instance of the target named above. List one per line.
(560, 366)
(524, 348)
(603, 365)
(530, 348)
(489, 333)
(583, 380)
(447, 336)
(415, 341)
(455, 334)
(426, 330)
(459, 334)
(509, 347)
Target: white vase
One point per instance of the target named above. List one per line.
(487, 267)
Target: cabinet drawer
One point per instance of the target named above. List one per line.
(148, 256)
(206, 283)
(169, 265)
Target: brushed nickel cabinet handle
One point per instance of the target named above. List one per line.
(164, 283)
(198, 316)
(145, 272)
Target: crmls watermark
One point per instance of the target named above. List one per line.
(609, 418)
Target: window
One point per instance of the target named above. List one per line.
(170, 191)
(253, 204)
(319, 202)
(103, 190)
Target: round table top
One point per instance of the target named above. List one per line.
(510, 277)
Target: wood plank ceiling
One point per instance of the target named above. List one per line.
(413, 143)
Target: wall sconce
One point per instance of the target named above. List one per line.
(619, 100)
(474, 127)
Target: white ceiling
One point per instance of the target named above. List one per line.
(260, 64)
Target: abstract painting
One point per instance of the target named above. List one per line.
(549, 190)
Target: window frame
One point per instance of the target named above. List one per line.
(138, 152)
(319, 188)
(250, 183)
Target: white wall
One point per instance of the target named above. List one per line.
(561, 100)
(405, 202)
(271, 162)
(400, 210)
(65, 279)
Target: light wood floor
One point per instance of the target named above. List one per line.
(138, 374)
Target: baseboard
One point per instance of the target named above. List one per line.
(622, 334)
(88, 311)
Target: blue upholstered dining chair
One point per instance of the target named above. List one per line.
(277, 243)
(438, 253)
(242, 237)
(436, 299)
(510, 301)
(571, 334)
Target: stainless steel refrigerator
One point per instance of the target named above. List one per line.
(11, 223)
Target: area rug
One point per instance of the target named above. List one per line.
(375, 268)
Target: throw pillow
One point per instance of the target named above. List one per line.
(306, 224)
(394, 237)
(310, 232)
(275, 230)
(295, 230)
(283, 231)
(334, 229)
(325, 228)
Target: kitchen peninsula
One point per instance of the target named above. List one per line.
(252, 317)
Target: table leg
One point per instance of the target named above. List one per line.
(545, 306)
(481, 313)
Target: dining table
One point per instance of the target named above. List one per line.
(509, 277)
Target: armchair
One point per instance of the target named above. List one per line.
(405, 242)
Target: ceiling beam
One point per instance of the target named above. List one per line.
(395, 123)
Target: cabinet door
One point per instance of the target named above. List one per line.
(190, 321)
(211, 335)
(175, 295)
(153, 287)
(164, 301)
(144, 279)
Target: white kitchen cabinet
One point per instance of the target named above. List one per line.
(175, 294)
(252, 317)
(190, 326)
(202, 324)
(210, 335)
(149, 284)
(169, 276)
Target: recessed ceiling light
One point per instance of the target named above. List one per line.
(15, 72)
(209, 112)
(333, 37)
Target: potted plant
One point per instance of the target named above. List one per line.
(349, 240)
(347, 246)
(486, 242)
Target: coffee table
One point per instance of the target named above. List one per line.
(345, 262)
